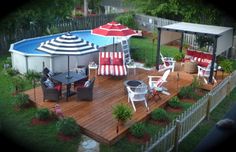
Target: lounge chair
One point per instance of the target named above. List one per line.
(156, 82)
(112, 63)
(205, 73)
(138, 94)
(168, 62)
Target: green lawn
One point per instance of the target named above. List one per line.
(193, 139)
(144, 50)
(17, 124)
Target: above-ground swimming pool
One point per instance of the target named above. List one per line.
(25, 55)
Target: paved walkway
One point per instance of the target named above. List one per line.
(87, 144)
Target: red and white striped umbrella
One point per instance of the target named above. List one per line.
(114, 29)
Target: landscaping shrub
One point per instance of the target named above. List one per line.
(138, 129)
(43, 114)
(175, 102)
(11, 72)
(187, 92)
(196, 84)
(179, 56)
(21, 100)
(68, 127)
(122, 112)
(160, 114)
(226, 65)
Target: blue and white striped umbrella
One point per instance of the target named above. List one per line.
(68, 44)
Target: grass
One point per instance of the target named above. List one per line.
(192, 140)
(16, 125)
(144, 50)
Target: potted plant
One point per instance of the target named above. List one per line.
(67, 128)
(121, 113)
(179, 56)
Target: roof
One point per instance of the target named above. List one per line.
(197, 28)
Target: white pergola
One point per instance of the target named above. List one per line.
(222, 36)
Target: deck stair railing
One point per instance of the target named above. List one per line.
(169, 138)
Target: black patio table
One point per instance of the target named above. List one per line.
(64, 79)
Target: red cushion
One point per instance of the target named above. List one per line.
(190, 52)
(208, 56)
(118, 61)
(58, 87)
(203, 64)
(105, 61)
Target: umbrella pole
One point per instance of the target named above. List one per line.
(113, 43)
(68, 67)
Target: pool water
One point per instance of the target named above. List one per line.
(29, 46)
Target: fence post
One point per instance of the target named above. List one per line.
(208, 106)
(228, 85)
(177, 130)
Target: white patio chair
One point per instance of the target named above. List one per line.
(138, 94)
(168, 62)
(205, 73)
(156, 82)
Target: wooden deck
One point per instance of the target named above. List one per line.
(95, 118)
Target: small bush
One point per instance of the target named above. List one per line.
(187, 92)
(43, 114)
(21, 100)
(175, 102)
(160, 114)
(196, 84)
(68, 127)
(138, 130)
(226, 65)
(11, 72)
(122, 112)
(179, 56)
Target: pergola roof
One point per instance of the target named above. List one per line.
(197, 28)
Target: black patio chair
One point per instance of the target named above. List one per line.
(49, 93)
(86, 93)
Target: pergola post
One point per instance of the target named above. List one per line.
(158, 48)
(213, 58)
(181, 42)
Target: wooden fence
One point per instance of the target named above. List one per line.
(169, 138)
(151, 23)
(82, 23)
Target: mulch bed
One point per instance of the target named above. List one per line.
(63, 137)
(35, 121)
(162, 123)
(141, 140)
(188, 100)
(170, 109)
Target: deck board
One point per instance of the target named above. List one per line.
(95, 118)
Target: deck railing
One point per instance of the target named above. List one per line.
(169, 138)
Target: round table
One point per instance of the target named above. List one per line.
(132, 84)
